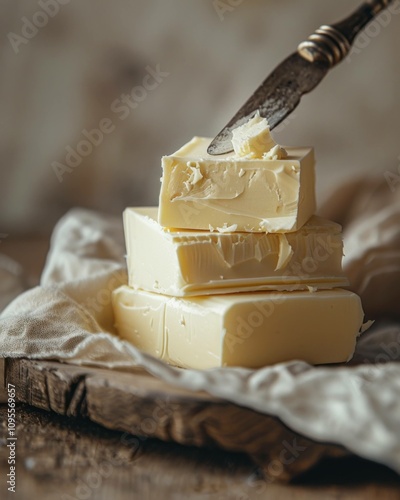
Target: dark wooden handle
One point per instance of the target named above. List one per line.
(334, 42)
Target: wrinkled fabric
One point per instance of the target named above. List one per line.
(69, 318)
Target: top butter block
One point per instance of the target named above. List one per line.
(238, 194)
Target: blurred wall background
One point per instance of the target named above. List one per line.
(67, 77)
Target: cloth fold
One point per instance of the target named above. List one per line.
(69, 318)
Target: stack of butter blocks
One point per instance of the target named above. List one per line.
(234, 268)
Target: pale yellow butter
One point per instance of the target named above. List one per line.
(249, 329)
(256, 195)
(188, 262)
(253, 139)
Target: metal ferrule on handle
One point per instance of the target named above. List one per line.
(326, 43)
(333, 43)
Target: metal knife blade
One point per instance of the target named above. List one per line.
(300, 73)
(275, 98)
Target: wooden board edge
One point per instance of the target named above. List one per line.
(188, 419)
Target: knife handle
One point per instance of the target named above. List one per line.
(333, 43)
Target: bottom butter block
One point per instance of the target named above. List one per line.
(249, 329)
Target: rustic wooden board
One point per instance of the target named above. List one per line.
(140, 404)
(64, 458)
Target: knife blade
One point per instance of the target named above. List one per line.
(300, 73)
(276, 97)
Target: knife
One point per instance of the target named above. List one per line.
(300, 73)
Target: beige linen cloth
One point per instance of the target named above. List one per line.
(68, 318)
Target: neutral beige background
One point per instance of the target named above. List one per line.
(67, 76)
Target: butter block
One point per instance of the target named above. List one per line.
(188, 262)
(250, 330)
(251, 195)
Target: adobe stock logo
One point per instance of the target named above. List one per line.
(40, 19)
(374, 29)
(393, 178)
(221, 7)
(120, 108)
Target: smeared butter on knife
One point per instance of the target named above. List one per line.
(253, 140)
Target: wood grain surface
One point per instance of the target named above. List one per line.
(140, 404)
(63, 458)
